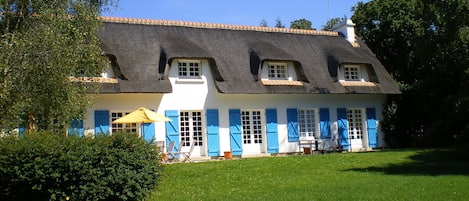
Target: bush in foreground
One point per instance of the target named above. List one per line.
(462, 143)
(45, 166)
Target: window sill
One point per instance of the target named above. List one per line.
(93, 79)
(189, 81)
(307, 138)
(357, 84)
(281, 83)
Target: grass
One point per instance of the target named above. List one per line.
(385, 175)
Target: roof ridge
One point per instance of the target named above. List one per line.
(214, 26)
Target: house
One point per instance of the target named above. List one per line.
(245, 89)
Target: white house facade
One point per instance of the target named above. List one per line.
(248, 90)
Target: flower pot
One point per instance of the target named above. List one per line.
(228, 155)
(307, 150)
(165, 157)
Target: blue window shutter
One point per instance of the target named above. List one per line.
(148, 132)
(101, 122)
(213, 132)
(76, 128)
(272, 130)
(292, 125)
(172, 128)
(21, 131)
(324, 123)
(343, 127)
(235, 132)
(372, 128)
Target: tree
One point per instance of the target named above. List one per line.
(43, 44)
(425, 47)
(331, 23)
(301, 24)
(278, 23)
(263, 23)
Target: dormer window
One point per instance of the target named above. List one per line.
(278, 71)
(352, 73)
(190, 69)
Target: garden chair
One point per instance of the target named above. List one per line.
(331, 145)
(160, 145)
(187, 154)
(174, 154)
(161, 148)
(169, 150)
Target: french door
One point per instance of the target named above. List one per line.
(252, 131)
(356, 128)
(191, 131)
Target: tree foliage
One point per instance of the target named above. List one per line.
(332, 22)
(278, 23)
(425, 46)
(263, 23)
(47, 166)
(43, 43)
(301, 24)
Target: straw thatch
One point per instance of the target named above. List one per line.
(144, 50)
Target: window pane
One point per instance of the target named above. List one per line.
(246, 122)
(190, 126)
(189, 69)
(352, 73)
(307, 123)
(277, 71)
(130, 127)
(355, 123)
(252, 127)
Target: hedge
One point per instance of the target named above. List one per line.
(47, 166)
(462, 143)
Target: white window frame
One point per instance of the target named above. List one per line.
(115, 127)
(252, 129)
(308, 128)
(352, 73)
(188, 62)
(356, 124)
(345, 73)
(290, 74)
(191, 128)
(274, 71)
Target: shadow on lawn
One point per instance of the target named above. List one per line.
(433, 163)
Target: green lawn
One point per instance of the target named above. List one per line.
(384, 175)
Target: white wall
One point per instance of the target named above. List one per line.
(119, 103)
(202, 95)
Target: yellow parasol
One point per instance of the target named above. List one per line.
(142, 115)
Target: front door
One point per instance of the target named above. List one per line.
(252, 132)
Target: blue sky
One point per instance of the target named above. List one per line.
(239, 12)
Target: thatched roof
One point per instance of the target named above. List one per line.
(143, 48)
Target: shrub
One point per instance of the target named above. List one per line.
(462, 143)
(46, 166)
